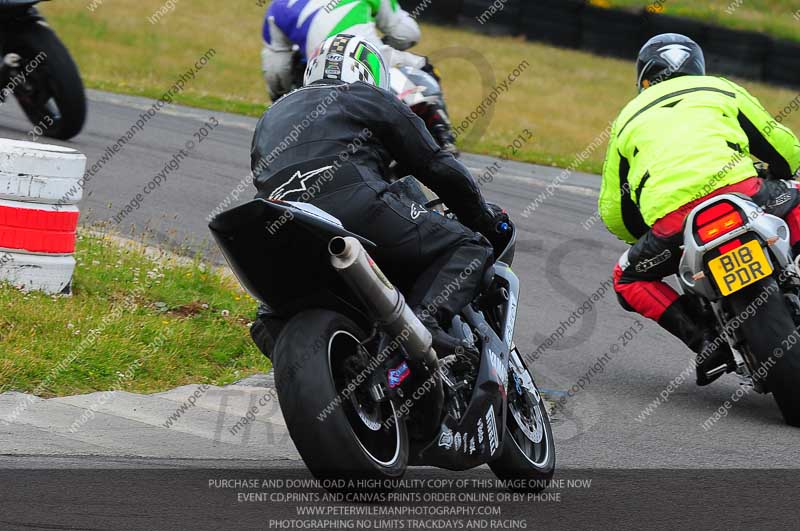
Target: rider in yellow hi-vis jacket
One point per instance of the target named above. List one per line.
(686, 137)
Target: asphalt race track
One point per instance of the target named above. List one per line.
(563, 259)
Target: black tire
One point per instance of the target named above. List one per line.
(308, 374)
(768, 333)
(54, 81)
(527, 465)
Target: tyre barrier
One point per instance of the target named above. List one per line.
(552, 21)
(782, 62)
(613, 33)
(437, 11)
(737, 53)
(39, 188)
(655, 24)
(493, 17)
(619, 32)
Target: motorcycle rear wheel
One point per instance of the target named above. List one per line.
(767, 332)
(339, 434)
(52, 96)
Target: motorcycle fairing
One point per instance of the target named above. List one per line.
(252, 235)
(414, 87)
(509, 317)
(477, 437)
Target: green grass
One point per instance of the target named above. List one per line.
(565, 98)
(775, 17)
(171, 322)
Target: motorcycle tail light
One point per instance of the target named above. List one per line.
(730, 246)
(717, 221)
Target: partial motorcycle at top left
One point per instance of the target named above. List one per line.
(38, 70)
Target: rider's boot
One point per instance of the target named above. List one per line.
(437, 299)
(445, 138)
(443, 343)
(713, 351)
(440, 127)
(265, 330)
(9, 64)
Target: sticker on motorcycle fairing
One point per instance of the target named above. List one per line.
(398, 374)
(334, 57)
(458, 441)
(650, 263)
(446, 440)
(512, 318)
(296, 183)
(464, 438)
(491, 430)
(480, 431)
(417, 211)
(497, 367)
(471, 446)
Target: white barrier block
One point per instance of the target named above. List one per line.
(46, 180)
(40, 172)
(45, 272)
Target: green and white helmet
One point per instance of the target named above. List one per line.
(347, 58)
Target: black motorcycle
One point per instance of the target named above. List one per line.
(362, 391)
(39, 71)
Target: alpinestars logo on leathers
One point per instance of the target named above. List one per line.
(297, 183)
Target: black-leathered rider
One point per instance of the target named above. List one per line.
(356, 129)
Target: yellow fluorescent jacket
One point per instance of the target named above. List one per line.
(679, 141)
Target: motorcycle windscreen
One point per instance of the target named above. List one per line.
(507, 254)
(280, 254)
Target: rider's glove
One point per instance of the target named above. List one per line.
(763, 172)
(493, 223)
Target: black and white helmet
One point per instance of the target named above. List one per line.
(347, 58)
(667, 56)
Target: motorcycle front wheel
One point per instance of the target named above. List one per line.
(52, 93)
(528, 458)
(322, 380)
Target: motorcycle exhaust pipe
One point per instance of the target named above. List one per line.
(383, 301)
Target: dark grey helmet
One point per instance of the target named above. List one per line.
(667, 56)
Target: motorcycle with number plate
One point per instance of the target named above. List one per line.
(362, 391)
(737, 266)
(39, 71)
